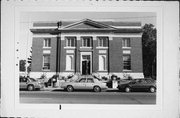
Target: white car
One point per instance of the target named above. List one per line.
(84, 83)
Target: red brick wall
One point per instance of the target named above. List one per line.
(95, 58)
(37, 54)
(115, 55)
(37, 49)
(78, 56)
(136, 55)
(63, 56)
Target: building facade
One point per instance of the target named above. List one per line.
(87, 47)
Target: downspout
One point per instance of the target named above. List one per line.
(59, 49)
(108, 58)
(75, 64)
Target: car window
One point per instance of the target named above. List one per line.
(24, 80)
(82, 80)
(143, 82)
(90, 80)
(32, 79)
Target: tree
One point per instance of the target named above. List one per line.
(149, 50)
(22, 66)
(29, 61)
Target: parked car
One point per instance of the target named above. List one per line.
(30, 84)
(84, 83)
(138, 85)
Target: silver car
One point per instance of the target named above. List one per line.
(84, 83)
(30, 84)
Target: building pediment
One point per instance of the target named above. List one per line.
(88, 24)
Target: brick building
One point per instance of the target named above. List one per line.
(87, 47)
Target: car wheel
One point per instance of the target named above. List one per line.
(97, 89)
(127, 89)
(69, 88)
(30, 88)
(152, 89)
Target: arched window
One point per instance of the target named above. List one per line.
(102, 62)
(69, 62)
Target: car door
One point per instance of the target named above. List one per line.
(80, 84)
(135, 85)
(23, 83)
(89, 83)
(139, 85)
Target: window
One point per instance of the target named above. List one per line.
(102, 41)
(86, 41)
(126, 42)
(47, 42)
(23, 79)
(70, 41)
(69, 62)
(90, 80)
(102, 62)
(126, 62)
(83, 80)
(46, 62)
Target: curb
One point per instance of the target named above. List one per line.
(58, 88)
(51, 89)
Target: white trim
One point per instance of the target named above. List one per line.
(46, 51)
(126, 47)
(69, 47)
(47, 47)
(44, 27)
(126, 51)
(127, 70)
(102, 51)
(103, 35)
(128, 27)
(69, 51)
(102, 47)
(86, 47)
(43, 36)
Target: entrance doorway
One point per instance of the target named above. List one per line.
(86, 63)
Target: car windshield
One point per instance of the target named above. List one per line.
(32, 79)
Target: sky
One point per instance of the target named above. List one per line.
(27, 18)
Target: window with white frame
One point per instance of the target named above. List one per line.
(69, 62)
(86, 41)
(70, 41)
(46, 62)
(126, 42)
(102, 63)
(102, 41)
(126, 62)
(47, 42)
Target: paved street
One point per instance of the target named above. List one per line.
(87, 97)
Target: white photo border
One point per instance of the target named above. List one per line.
(10, 102)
